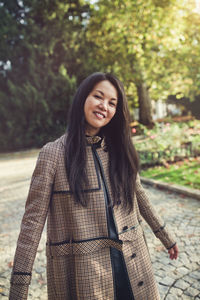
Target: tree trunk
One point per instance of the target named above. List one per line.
(145, 115)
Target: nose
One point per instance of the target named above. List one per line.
(103, 106)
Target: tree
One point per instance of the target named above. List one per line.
(40, 39)
(141, 42)
(190, 49)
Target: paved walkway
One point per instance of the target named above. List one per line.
(178, 279)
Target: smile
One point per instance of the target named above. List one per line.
(99, 115)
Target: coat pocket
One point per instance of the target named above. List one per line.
(132, 233)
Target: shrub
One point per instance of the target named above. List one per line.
(168, 142)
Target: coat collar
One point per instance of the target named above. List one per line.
(96, 139)
(90, 140)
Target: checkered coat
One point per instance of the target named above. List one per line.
(78, 248)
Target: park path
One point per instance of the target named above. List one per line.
(178, 279)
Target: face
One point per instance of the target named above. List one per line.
(100, 106)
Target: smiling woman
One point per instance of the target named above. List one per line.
(100, 106)
(86, 184)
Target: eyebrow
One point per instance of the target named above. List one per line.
(103, 95)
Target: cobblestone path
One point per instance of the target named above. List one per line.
(178, 279)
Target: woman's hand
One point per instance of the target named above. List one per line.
(173, 252)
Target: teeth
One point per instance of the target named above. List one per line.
(99, 114)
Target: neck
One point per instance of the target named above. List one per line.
(91, 132)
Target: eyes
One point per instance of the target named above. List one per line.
(111, 103)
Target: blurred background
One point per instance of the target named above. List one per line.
(48, 47)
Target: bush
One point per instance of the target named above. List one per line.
(30, 116)
(168, 142)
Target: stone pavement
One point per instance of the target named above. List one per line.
(178, 279)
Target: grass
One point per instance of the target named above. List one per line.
(185, 173)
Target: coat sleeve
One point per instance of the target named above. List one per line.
(151, 217)
(33, 221)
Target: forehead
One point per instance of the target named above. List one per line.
(107, 88)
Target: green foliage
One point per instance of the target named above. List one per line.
(35, 116)
(37, 91)
(168, 142)
(156, 42)
(52, 45)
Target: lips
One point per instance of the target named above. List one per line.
(99, 115)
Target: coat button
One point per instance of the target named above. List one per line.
(140, 283)
(125, 228)
(133, 255)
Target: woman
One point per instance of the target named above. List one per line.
(87, 185)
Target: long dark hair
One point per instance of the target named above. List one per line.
(123, 162)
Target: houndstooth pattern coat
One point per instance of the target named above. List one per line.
(78, 247)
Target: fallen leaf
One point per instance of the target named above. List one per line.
(162, 209)
(191, 235)
(166, 165)
(159, 248)
(41, 281)
(10, 264)
(4, 234)
(182, 196)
